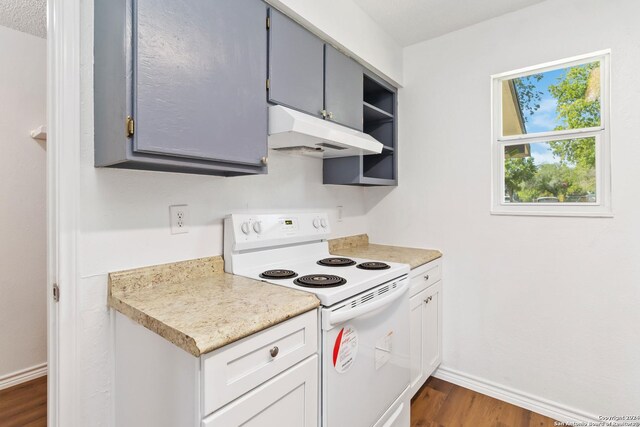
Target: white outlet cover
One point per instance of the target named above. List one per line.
(179, 219)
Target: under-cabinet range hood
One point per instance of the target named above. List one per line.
(297, 132)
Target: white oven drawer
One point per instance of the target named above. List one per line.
(235, 369)
(424, 276)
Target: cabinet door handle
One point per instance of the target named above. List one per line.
(428, 299)
(330, 115)
(426, 277)
(274, 351)
(323, 113)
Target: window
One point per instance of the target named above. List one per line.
(551, 139)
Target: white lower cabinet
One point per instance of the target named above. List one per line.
(416, 334)
(432, 328)
(270, 378)
(288, 400)
(237, 368)
(425, 326)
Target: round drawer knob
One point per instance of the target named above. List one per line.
(426, 277)
(274, 351)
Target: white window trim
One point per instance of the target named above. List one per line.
(602, 206)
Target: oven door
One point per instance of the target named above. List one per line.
(365, 355)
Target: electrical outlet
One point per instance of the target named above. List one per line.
(339, 213)
(179, 219)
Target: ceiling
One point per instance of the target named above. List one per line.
(407, 21)
(413, 21)
(28, 16)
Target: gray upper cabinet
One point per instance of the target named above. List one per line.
(200, 68)
(296, 69)
(310, 76)
(343, 90)
(191, 76)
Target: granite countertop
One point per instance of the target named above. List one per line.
(359, 247)
(198, 307)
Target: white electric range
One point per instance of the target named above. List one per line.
(364, 316)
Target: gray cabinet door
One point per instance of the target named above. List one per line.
(343, 88)
(295, 65)
(199, 79)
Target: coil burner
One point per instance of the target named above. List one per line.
(278, 274)
(320, 281)
(372, 265)
(336, 262)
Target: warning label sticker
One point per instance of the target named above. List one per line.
(345, 349)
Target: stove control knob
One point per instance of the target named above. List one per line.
(257, 227)
(316, 222)
(245, 227)
(323, 223)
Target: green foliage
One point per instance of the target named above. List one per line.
(577, 110)
(528, 95)
(516, 173)
(552, 180)
(555, 180)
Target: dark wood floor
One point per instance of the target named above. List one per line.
(24, 405)
(440, 403)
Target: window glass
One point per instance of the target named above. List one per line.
(562, 171)
(560, 99)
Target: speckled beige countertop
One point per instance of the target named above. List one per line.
(198, 307)
(359, 247)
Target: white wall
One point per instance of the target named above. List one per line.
(545, 306)
(124, 218)
(23, 340)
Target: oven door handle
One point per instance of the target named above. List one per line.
(339, 317)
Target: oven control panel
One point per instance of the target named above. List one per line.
(275, 229)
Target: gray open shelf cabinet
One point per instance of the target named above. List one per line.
(379, 120)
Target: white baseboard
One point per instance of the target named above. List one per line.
(557, 411)
(23, 376)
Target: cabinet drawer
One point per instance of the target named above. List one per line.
(424, 276)
(239, 367)
(288, 400)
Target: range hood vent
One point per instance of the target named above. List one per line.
(301, 149)
(291, 130)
